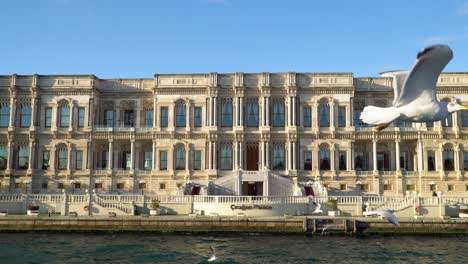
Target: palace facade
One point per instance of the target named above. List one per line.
(240, 134)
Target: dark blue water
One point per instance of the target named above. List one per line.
(159, 248)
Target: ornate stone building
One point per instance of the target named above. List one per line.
(244, 134)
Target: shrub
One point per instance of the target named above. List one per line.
(154, 204)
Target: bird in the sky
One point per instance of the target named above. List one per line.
(386, 214)
(415, 97)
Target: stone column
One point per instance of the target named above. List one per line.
(294, 159)
(72, 110)
(456, 158)
(33, 113)
(132, 154)
(293, 111)
(235, 156)
(267, 115)
(91, 112)
(267, 155)
(332, 115)
(187, 159)
(32, 150)
(153, 157)
(420, 157)
(69, 160)
(155, 107)
(241, 155)
(397, 155)
(210, 155)
(11, 146)
(188, 119)
(215, 112)
(109, 159)
(12, 111)
(333, 158)
(89, 155)
(241, 106)
(288, 111)
(374, 156)
(215, 156)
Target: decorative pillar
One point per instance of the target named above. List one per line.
(241, 105)
(188, 105)
(132, 154)
(235, 156)
(456, 158)
(33, 112)
(267, 155)
(155, 101)
(72, 110)
(215, 112)
(288, 111)
(187, 159)
(374, 156)
(153, 156)
(12, 111)
(293, 111)
(89, 155)
(109, 159)
(91, 112)
(397, 155)
(215, 156)
(332, 115)
(333, 158)
(69, 166)
(294, 159)
(241, 155)
(32, 148)
(11, 145)
(210, 155)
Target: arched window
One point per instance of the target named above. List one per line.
(4, 114)
(324, 157)
(25, 117)
(449, 164)
(62, 155)
(64, 115)
(324, 114)
(180, 114)
(278, 159)
(179, 154)
(226, 156)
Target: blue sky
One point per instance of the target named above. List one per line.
(136, 39)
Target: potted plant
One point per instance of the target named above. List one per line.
(33, 210)
(154, 207)
(332, 205)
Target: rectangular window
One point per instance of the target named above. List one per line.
(3, 157)
(105, 157)
(411, 187)
(4, 115)
(431, 161)
(324, 115)
(109, 118)
(148, 160)
(307, 116)
(162, 186)
(361, 161)
(197, 161)
(25, 118)
(465, 160)
(449, 164)
(366, 187)
(79, 160)
(433, 187)
(129, 118)
(23, 157)
(62, 159)
(464, 118)
(278, 113)
(48, 117)
(450, 187)
(120, 186)
(163, 160)
(142, 185)
(278, 159)
(252, 113)
(341, 116)
(44, 185)
(343, 187)
(226, 112)
(98, 185)
(64, 116)
(164, 117)
(149, 118)
(226, 156)
(308, 160)
(45, 160)
(387, 187)
(197, 117)
(81, 116)
(342, 160)
(60, 185)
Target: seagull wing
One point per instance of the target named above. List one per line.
(422, 79)
(399, 78)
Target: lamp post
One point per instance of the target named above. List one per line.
(359, 186)
(26, 182)
(141, 185)
(72, 183)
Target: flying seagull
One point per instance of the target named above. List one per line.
(318, 208)
(213, 257)
(415, 97)
(386, 214)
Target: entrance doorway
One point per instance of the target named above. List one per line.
(252, 188)
(252, 156)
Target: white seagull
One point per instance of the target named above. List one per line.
(213, 257)
(386, 214)
(415, 97)
(318, 208)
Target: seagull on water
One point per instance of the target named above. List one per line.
(213, 257)
(415, 97)
(386, 214)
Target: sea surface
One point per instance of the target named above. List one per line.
(170, 248)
